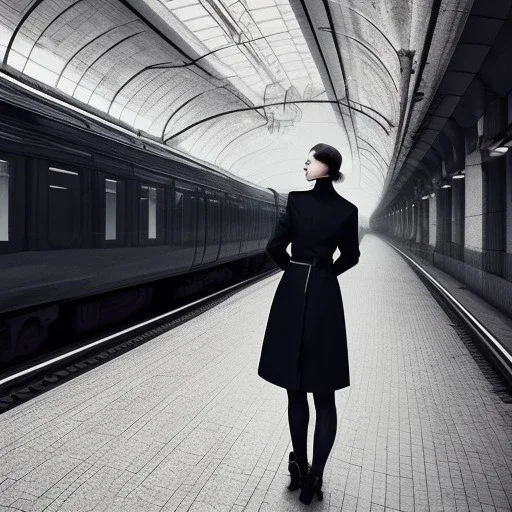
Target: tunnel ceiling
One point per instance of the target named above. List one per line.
(249, 85)
(442, 130)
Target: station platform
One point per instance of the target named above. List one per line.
(184, 422)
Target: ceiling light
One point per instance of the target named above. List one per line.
(499, 151)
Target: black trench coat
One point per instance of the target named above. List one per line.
(305, 343)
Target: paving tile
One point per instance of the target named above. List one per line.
(184, 423)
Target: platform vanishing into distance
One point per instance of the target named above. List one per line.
(185, 423)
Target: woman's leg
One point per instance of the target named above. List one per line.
(325, 429)
(298, 418)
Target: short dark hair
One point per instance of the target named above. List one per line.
(331, 157)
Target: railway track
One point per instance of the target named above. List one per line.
(20, 384)
(488, 351)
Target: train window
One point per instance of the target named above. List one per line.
(151, 220)
(109, 215)
(64, 200)
(4, 200)
(151, 212)
(148, 211)
(110, 209)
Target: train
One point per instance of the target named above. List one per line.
(91, 214)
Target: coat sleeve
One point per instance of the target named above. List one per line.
(348, 244)
(281, 238)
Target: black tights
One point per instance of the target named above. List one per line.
(325, 428)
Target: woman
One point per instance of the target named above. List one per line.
(305, 347)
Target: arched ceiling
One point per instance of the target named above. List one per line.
(249, 85)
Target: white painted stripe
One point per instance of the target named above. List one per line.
(120, 333)
(503, 353)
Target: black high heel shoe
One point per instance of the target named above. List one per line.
(312, 486)
(298, 471)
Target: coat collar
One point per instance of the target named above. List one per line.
(323, 188)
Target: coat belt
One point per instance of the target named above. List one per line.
(315, 263)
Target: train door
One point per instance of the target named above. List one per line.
(200, 227)
(12, 203)
(212, 227)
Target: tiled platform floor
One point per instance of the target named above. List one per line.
(185, 423)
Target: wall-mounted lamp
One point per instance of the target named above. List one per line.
(499, 151)
(458, 176)
(424, 197)
(446, 186)
(418, 96)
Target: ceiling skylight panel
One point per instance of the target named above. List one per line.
(229, 51)
(201, 23)
(215, 42)
(255, 78)
(292, 61)
(281, 43)
(293, 26)
(245, 65)
(294, 73)
(209, 33)
(245, 74)
(286, 14)
(278, 36)
(190, 12)
(285, 49)
(293, 65)
(256, 4)
(235, 59)
(271, 27)
(175, 5)
(258, 87)
(301, 47)
(266, 14)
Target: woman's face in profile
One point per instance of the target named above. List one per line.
(314, 169)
